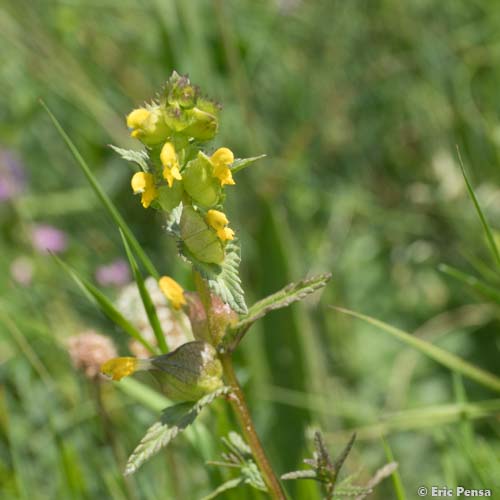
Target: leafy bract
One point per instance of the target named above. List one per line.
(174, 420)
(241, 163)
(283, 298)
(138, 157)
(223, 279)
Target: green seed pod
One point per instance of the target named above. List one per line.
(188, 373)
(199, 239)
(200, 183)
(169, 197)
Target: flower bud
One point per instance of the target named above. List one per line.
(199, 239)
(200, 183)
(218, 221)
(148, 125)
(144, 183)
(173, 291)
(221, 160)
(168, 158)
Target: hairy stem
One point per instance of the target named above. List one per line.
(240, 408)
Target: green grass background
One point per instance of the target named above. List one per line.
(359, 106)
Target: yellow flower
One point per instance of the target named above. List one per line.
(136, 120)
(148, 125)
(117, 368)
(221, 160)
(218, 221)
(144, 183)
(173, 291)
(170, 164)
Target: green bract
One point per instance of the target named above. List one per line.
(199, 239)
(199, 182)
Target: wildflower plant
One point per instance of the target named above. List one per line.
(185, 179)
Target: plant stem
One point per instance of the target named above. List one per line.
(240, 407)
(238, 402)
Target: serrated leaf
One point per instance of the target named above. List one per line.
(172, 223)
(351, 491)
(103, 197)
(228, 485)
(105, 305)
(147, 302)
(299, 474)
(223, 279)
(385, 471)
(138, 157)
(174, 420)
(241, 163)
(252, 476)
(443, 357)
(283, 298)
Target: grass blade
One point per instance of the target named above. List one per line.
(105, 305)
(103, 197)
(396, 477)
(146, 298)
(436, 353)
(484, 222)
(479, 286)
(422, 418)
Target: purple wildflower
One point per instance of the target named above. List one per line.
(115, 273)
(12, 176)
(47, 239)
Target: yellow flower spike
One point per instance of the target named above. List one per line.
(144, 183)
(117, 368)
(136, 119)
(173, 291)
(168, 159)
(218, 221)
(221, 160)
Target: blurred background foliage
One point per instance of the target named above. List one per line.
(359, 106)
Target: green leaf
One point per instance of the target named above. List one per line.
(283, 298)
(396, 477)
(228, 485)
(174, 420)
(479, 286)
(484, 222)
(241, 163)
(146, 298)
(436, 353)
(223, 279)
(138, 157)
(106, 306)
(300, 474)
(103, 197)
